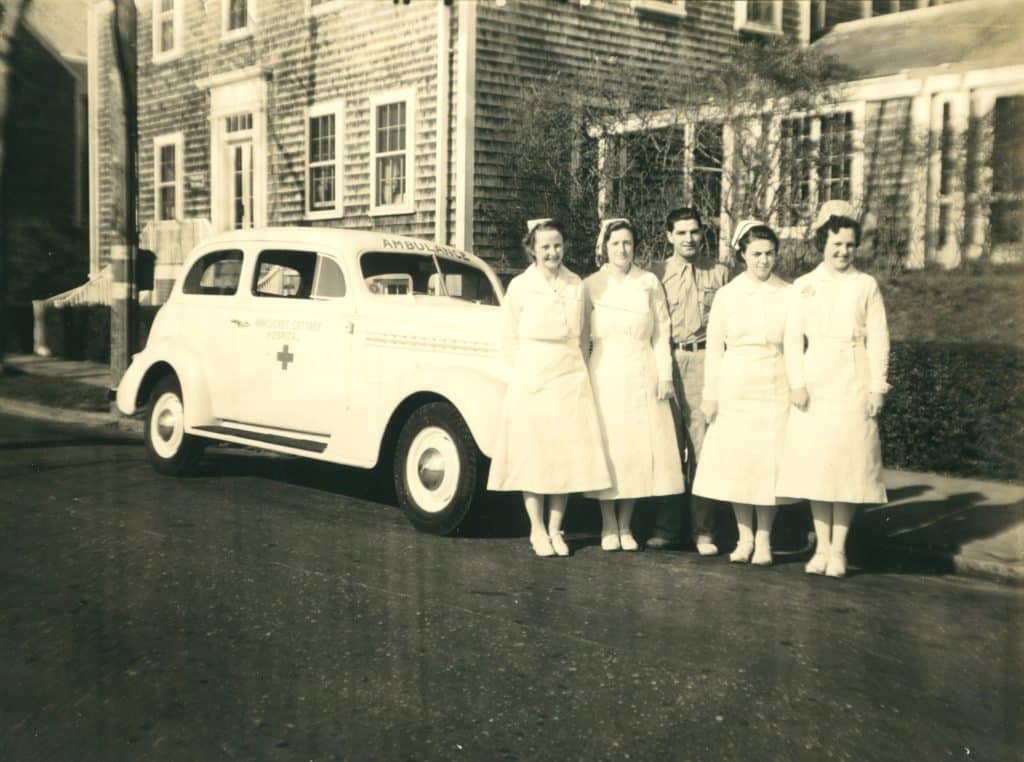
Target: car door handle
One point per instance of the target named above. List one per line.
(239, 323)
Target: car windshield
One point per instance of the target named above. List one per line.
(392, 273)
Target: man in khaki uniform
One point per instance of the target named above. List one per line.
(690, 279)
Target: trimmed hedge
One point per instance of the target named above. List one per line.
(956, 409)
(78, 333)
(17, 325)
(83, 332)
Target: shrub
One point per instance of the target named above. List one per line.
(18, 329)
(78, 333)
(955, 408)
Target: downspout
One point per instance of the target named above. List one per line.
(444, 123)
(465, 127)
(92, 124)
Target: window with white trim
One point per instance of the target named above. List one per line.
(323, 160)
(759, 16)
(817, 158)
(168, 26)
(392, 137)
(672, 8)
(168, 175)
(1006, 210)
(237, 18)
(646, 171)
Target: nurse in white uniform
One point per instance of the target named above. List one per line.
(631, 373)
(832, 454)
(746, 396)
(549, 440)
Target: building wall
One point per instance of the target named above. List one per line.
(348, 52)
(529, 40)
(106, 113)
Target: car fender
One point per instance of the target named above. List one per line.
(476, 394)
(185, 364)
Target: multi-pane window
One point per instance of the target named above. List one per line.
(237, 14)
(167, 29)
(708, 156)
(391, 155)
(1007, 210)
(165, 22)
(816, 164)
(323, 166)
(758, 15)
(761, 12)
(237, 17)
(391, 168)
(238, 134)
(238, 122)
(835, 161)
(795, 170)
(947, 170)
(642, 174)
(166, 182)
(167, 176)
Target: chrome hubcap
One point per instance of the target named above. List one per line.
(167, 428)
(432, 469)
(166, 424)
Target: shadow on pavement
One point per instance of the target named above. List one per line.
(908, 535)
(77, 441)
(946, 524)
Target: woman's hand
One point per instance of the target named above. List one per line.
(665, 390)
(876, 402)
(799, 398)
(709, 408)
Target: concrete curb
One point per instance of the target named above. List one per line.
(65, 415)
(993, 570)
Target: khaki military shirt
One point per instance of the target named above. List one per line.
(683, 281)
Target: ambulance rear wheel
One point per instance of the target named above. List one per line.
(170, 449)
(436, 468)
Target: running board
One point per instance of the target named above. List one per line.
(258, 436)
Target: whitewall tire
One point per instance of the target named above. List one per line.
(170, 449)
(436, 468)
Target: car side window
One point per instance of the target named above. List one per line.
(394, 273)
(330, 280)
(284, 273)
(216, 274)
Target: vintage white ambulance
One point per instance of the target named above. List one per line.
(347, 346)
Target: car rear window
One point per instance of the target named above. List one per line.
(284, 273)
(215, 274)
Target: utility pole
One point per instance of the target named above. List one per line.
(124, 252)
(12, 13)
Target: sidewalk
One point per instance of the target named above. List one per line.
(937, 522)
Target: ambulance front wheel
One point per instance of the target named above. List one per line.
(436, 468)
(170, 449)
